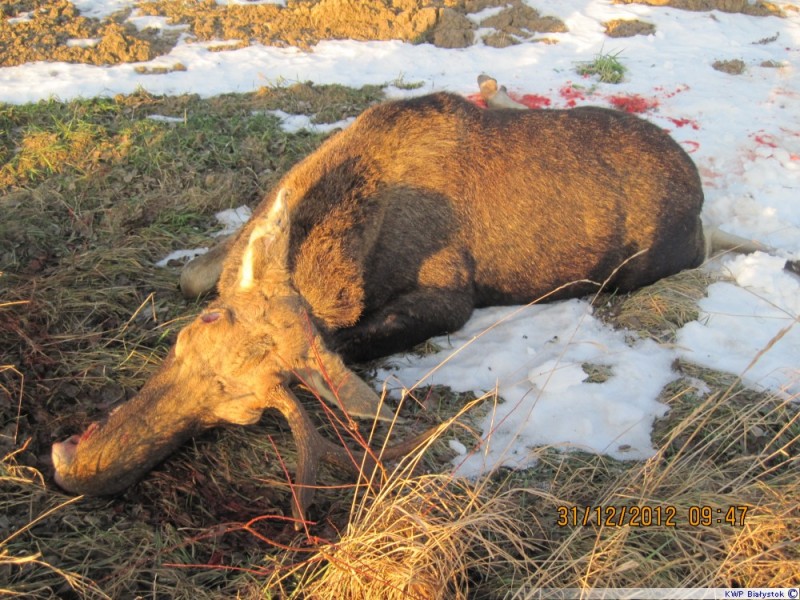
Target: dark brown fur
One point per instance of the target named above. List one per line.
(427, 208)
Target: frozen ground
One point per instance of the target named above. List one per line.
(743, 131)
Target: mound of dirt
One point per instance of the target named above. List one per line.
(53, 30)
(622, 28)
(757, 9)
(731, 67)
(303, 23)
(517, 23)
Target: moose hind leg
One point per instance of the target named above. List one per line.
(402, 323)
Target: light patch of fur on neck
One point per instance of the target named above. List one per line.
(264, 233)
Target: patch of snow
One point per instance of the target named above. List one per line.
(751, 328)
(294, 123)
(100, 9)
(532, 357)
(487, 12)
(154, 23)
(83, 42)
(232, 220)
(23, 17)
(166, 119)
(181, 255)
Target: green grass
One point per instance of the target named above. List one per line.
(606, 67)
(401, 83)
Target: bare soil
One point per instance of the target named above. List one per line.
(42, 29)
(731, 67)
(756, 9)
(54, 30)
(622, 28)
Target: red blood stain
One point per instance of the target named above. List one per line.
(691, 146)
(477, 100)
(765, 139)
(633, 103)
(89, 431)
(571, 94)
(684, 122)
(530, 100)
(678, 90)
(533, 100)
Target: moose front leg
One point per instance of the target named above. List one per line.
(403, 323)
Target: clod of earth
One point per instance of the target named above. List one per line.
(621, 28)
(731, 67)
(747, 7)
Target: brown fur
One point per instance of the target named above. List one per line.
(427, 208)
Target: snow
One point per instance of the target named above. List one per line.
(753, 319)
(231, 220)
(294, 123)
(533, 357)
(82, 42)
(743, 131)
(100, 9)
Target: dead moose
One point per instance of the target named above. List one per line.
(392, 232)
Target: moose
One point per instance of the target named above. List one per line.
(393, 231)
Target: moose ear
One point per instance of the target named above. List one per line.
(268, 246)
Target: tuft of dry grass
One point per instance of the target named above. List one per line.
(661, 309)
(417, 536)
(716, 506)
(706, 468)
(424, 537)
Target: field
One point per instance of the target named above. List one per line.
(94, 191)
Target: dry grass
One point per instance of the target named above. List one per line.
(731, 454)
(417, 536)
(425, 537)
(661, 309)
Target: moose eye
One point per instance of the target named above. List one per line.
(209, 317)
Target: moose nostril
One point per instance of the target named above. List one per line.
(63, 452)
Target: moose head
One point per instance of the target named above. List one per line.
(236, 359)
